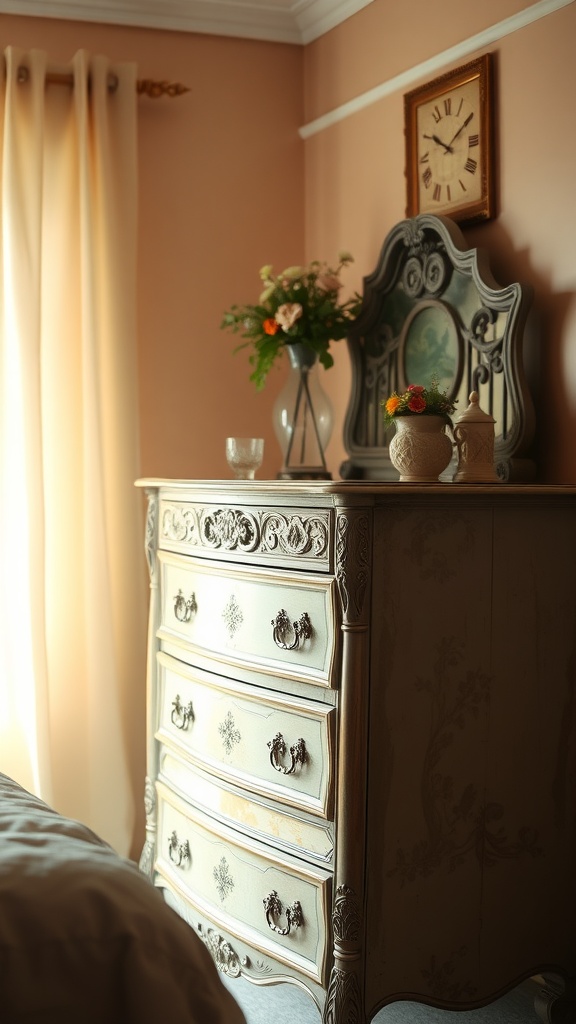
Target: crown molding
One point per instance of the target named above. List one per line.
(280, 21)
(434, 65)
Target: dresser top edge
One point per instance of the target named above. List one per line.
(367, 492)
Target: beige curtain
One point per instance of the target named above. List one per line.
(72, 574)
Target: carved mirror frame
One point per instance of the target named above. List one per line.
(432, 308)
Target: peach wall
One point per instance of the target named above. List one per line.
(221, 193)
(355, 185)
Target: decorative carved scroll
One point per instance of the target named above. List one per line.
(432, 308)
(295, 534)
(146, 863)
(352, 562)
(223, 954)
(242, 530)
(151, 532)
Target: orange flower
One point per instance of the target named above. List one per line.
(270, 326)
(392, 404)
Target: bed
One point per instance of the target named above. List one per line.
(85, 937)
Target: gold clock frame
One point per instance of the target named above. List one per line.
(485, 207)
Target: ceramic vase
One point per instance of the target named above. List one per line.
(303, 418)
(420, 449)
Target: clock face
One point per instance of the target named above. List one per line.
(448, 133)
(450, 150)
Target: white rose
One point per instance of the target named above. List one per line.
(288, 314)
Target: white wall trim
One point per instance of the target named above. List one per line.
(316, 17)
(278, 21)
(435, 64)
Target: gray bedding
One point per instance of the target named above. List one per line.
(85, 937)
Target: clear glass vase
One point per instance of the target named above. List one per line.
(303, 418)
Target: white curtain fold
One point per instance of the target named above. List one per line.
(72, 586)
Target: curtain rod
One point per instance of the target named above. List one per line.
(144, 86)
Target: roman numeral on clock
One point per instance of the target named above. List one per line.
(473, 140)
(437, 193)
(471, 165)
(427, 177)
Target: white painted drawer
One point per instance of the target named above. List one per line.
(236, 731)
(235, 883)
(256, 816)
(232, 614)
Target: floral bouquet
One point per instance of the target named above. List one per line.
(418, 400)
(299, 305)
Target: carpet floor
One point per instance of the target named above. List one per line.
(289, 1005)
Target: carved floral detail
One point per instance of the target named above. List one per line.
(346, 918)
(344, 1001)
(460, 824)
(229, 528)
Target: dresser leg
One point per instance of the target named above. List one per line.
(555, 1002)
(344, 1000)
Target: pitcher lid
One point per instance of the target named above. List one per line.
(474, 414)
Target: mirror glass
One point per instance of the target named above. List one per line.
(431, 348)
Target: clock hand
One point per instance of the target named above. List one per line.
(434, 138)
(462, 127)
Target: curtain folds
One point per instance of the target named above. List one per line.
(72, 581)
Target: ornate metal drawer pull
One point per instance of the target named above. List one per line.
(181, 716)
(298, 631)
(179, 853)
(184, 609)
(278, 749)
(273, 908)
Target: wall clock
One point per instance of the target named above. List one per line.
(449, 151)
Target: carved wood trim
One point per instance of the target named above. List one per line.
(229, 528)
(352, 564)
(424, 265)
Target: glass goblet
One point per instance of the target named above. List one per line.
(244, 456)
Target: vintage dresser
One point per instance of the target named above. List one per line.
(362, 734)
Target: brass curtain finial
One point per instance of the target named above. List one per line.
(153, 89)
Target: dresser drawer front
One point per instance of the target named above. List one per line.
(297, 537)
(237, 732)
(236, 883)
(233, 616)
(294, 833)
